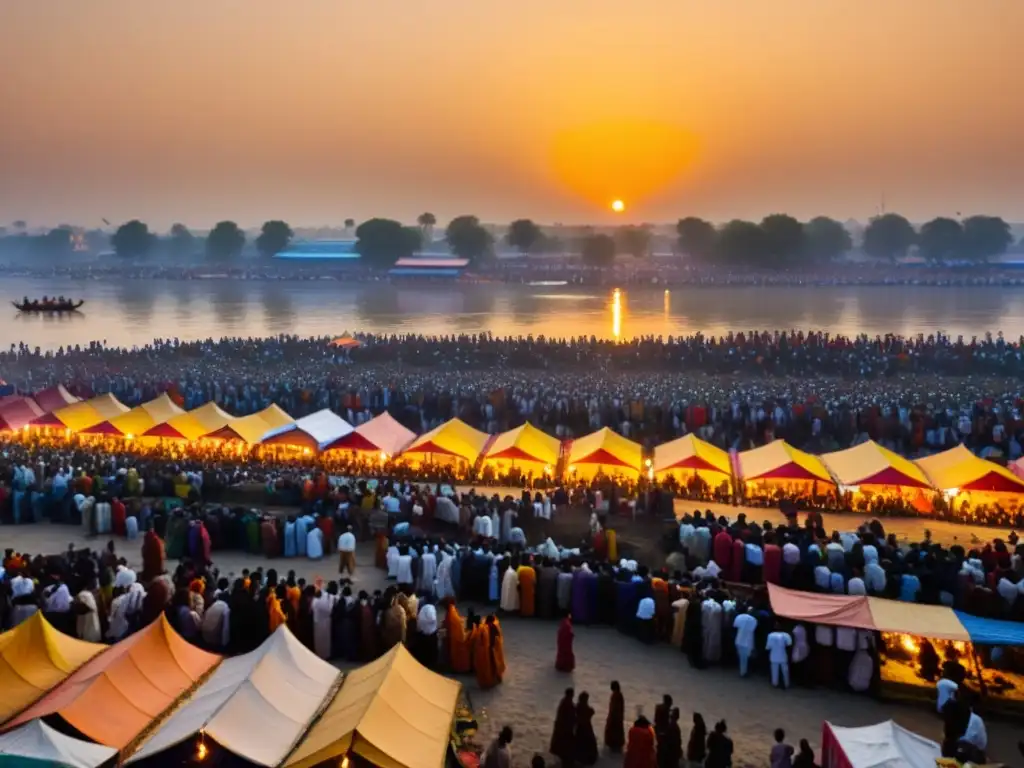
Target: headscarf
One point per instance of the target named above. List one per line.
(426, 622)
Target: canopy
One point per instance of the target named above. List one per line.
(871, 464)
(454, 438)
(992, 631)
(252, 428)
(884, 745)
(18, 413)
(36, 744)
(115, 696)
(315, 432)
(54, 398)
(393, 712)
(381, 434)
(34, 657)
(525, 443)
(608, 449)
(192, 425)
(139, 419)
(818, 608)
(82, 415)
(690, 452)
(959, 469)
(255, 706)
(780, 461)
(346, 342)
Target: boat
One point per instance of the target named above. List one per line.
(48, 307)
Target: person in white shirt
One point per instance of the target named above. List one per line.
(778, 654)
(216, 624)
(745, 625)
(645, 629)
(874, 578)
(347, 552)
(404, 568)
(944, 691)
(976, 734)
(322, 606)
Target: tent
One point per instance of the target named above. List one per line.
(55, 398)
(36, 744)
(884, 745)
(606, 452)
(114, 697)
(525, 448)
(381, 434)
(393, 713)
(82, 415)
(34, 657)
(252, 428)
(689, 456)
(314, 432)
(346, 342)
(255, 706)
(452, 441)
(958, 470)
(193, 424)
(19, 413)
(869, 466)
(139, 419)
(779, 463)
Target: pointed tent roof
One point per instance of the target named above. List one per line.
(883, 745)
(37, 744)
(453, 438)
(381, 433)
(115, 696)
(316, 431)
(84, 414)
(281, 686)
(34, 657)
(959, 468)
(17, 413)
(526, 443)
(393, 712)
(54, 398)
(871, 464)
(139, 419)
(690, 452)
(606, 447)
(780, 461)
(192, 425)
(251, 429)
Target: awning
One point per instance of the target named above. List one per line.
(36, 744)
(393, 712)
(381, 434)
(115, 696)
(690, 452)
(780, 461)
(255, 706)
(819, 608)
(607, 448)
(883, 745)
(871, 464)
(34, 657)
(314, 432)
(85, 414)
(54, 398)
(959, 469)
(453, 438)
(138, 420)
(192, 425)
(525, 443)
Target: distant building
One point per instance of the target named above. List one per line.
(320, 249)
(417, 266)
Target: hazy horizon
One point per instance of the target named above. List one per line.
(317, 111)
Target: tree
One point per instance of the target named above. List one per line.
(940, 239)
(598, 250)
(427, 222)
(56, 242)
(524, 235)
(889, 236)
(225, 241)
(826, 238)
(468, 239)
(273, 238)
(132, 240)
(696, 238)
(636, 241)
(19, 225)
(740, 242)
(985, 237)
(382, 242)
(783, 238)
(182, 242)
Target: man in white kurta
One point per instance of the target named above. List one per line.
(404, 569)
(392, 559)
(510, 591)
(315, 543)
(444, 586)
(323, 605)
(428, 571)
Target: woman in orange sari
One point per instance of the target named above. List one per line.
(275, 614)
(458, 642)
(497, 640)
(640, 749)
(483, 661)
(527, 589)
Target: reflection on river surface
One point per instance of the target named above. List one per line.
(136, 311)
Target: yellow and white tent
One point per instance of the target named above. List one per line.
(525, 448)
(604, 452)
(958, 471)
(779, 463)
(452, 441)
(870, 466)
(689, 456)
(192, 425)
(80, 416)
(253, 428)
(138, 420)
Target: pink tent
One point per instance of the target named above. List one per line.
(54, 398)
(15, 415)
(834, 610)
(380, 434)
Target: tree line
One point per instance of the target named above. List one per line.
(777, 241)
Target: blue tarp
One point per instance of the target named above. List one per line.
(992, 631)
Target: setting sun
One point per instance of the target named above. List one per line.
(618, 206)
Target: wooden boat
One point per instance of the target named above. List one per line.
(67, 306)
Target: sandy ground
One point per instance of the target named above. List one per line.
(529, 696)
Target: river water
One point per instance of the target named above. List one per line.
(128, 312)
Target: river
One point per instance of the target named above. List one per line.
(129, 312)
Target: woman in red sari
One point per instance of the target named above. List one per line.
(565, 660)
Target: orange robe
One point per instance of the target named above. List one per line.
(294, 596)
(498, 648)
(482, 663)
(275, 614)
(527, 589)
(458, 643)
(640, 749)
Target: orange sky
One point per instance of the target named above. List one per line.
(315, 110)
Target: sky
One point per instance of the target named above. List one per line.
(318, 110)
